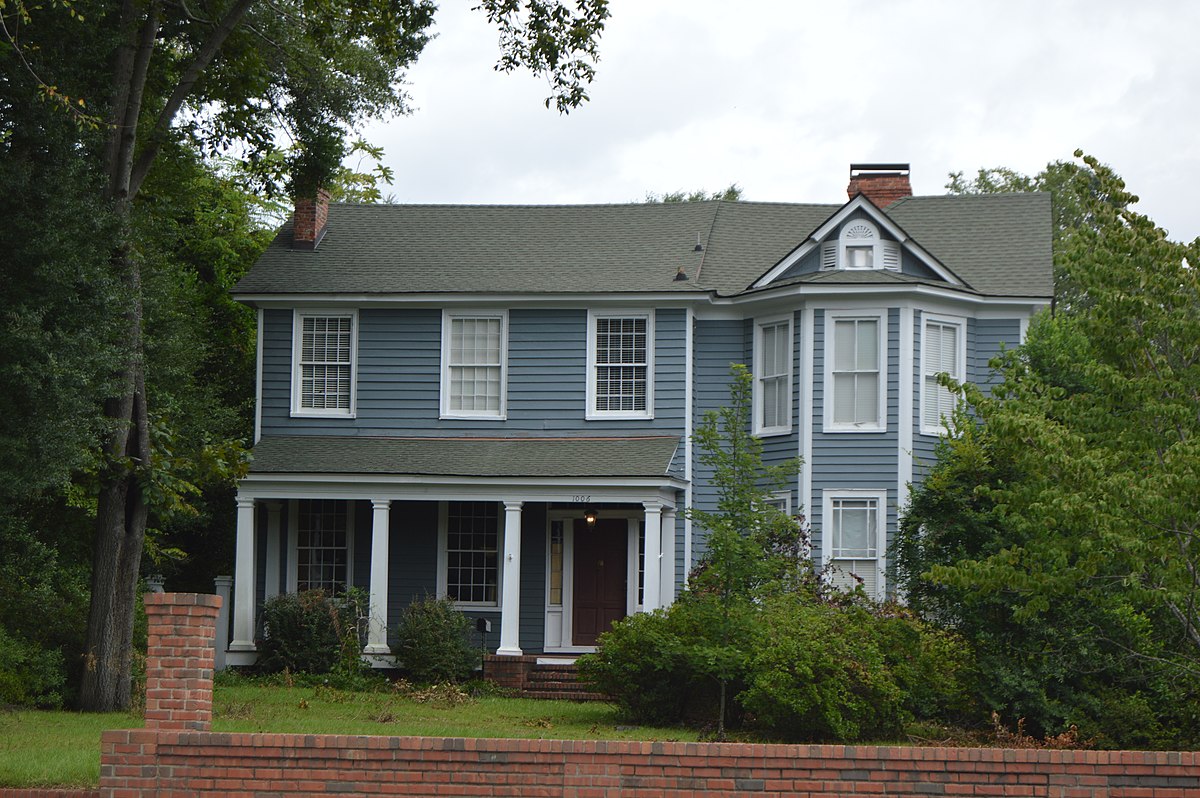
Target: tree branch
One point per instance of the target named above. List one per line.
(183, 88)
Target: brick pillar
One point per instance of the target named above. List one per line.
(179, 660)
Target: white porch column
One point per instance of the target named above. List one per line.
(243, 579)
(652, 555)
(666, 574)
(271, 585)
(380, 530)
(510, 607)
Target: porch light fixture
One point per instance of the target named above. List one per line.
(589, 517)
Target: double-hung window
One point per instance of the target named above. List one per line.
(854, 525)
(470, 553)
(943, 350)
(856, 374)
(322, 545)
(621, 365)
(323, 350)
(773, 377)
(474, 364)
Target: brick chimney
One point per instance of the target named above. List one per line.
(308, 221)
(881, 183)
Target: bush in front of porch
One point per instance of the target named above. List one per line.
(433, 642)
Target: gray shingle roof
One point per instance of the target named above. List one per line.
(999, 244)
(463, 457)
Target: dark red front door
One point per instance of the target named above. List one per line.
(599, 592)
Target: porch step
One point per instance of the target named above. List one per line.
(559, 680)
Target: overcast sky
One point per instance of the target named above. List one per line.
(780, 98)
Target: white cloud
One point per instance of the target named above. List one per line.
(781, 97)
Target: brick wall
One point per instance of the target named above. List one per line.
(182, 630)
(203, 764)
(172, 759)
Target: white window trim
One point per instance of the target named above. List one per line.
(592, 414)
(952, 321)
(447, 318)
(761, 429)
(298, 315)
(293, 544)
(880, 496)
(831, 317)
(784, 496)
(443, 561)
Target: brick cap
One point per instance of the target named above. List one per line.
(183, 600)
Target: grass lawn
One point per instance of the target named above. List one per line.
(63, 748)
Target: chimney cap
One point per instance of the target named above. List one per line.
(859, 168)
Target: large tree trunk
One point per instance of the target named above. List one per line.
(121, 508)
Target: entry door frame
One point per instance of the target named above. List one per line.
(561, 617)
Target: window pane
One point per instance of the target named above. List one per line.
(867, 345)
(472, 534)
(621, 364)
(860, 257)
(475, 364)
(866, 399)
(322, 550)
(843, 345)
(325, 362)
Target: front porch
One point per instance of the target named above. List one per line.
(548, 561)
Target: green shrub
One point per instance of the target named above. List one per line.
(640, 664)
(30, 675)
(433, 642)
(311, 632)
(849, 670)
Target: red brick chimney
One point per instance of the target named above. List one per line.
(881, 183)
(308, 222)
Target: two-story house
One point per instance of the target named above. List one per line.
(496, 403)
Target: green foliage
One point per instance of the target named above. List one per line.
(433, 642)
(848, 671)
(1058, 532)
(731, 193)
(312, 632)
(30, 675)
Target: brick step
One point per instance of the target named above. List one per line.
(555, 695)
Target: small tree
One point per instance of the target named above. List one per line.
(753, 547)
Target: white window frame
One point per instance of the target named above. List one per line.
(781, 499)
(760, 428)
(592, 414)
(828, 497)
(885, 254)
(443, 558)
(831, 318)
(961, 356)
(448, 319)
(298, 316)
(293, 543)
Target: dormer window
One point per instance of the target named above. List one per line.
(860, 247)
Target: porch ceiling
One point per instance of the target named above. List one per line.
(648, 456)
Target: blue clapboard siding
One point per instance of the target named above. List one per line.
(923, 445)
(854, 460)
(399, 376)
(991, 336)
(718, 343)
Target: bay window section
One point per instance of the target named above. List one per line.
(943, 350)
(853, 525)
(773, 378)
(856, 375)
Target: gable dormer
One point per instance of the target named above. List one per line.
(860, 246)
(859, 237)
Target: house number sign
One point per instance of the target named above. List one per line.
(581, 497)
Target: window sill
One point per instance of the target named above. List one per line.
(617, 416)
(935, 432)
(321, 414)
(852, 430)
(465, 417)
(772, 432)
